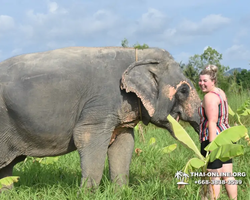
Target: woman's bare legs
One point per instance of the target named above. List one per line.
(231, 189)
(215, 189)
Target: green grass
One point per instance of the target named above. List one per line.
(151, 175)
(235, 101)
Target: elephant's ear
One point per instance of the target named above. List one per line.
(138, 78)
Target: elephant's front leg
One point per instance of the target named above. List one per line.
(92, 143)
(119, 155)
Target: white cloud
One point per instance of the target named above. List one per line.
(181, 27)
(204, 49)
(187, 31)
(206, 26)
(215, 48)
(241, 35)
(27, 31)
(52, 7)
(151, 21)
(102, 20)
(36, 17)
(58, 27)
(237, 52)
(173, 37)
(6, 23)
(182, 57)
(53, 12)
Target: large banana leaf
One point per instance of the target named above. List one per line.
(183, 136)
(228, 136)
(226, 152)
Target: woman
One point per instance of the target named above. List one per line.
(214, 119)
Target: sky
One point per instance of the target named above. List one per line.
(182, 27)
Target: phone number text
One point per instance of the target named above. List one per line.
(218, 182)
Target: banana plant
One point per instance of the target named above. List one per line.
(223, 147)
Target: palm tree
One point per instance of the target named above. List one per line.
(184, 176)
(178, 175)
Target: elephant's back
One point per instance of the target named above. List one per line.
(76, 60)
(65, 60)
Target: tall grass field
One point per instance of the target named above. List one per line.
(152, 172)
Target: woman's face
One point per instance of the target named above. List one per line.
(206, 84)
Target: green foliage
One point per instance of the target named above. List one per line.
(193, 163)
(8, 181)
(236, 101)
(235, 86)
(228, 136)
(243, 110)
(226, 152)
(236, 83)
(152, 175)
(222, 146)
(183, 137)
(165, 150)
(239, 81)
(243, 78)
(125, 43)
(152, 141)
(197, 62)
(44, 161)
(192, 74)
(138, 46)
(169, 148)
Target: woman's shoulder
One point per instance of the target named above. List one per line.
(211, 97)
(222, 94)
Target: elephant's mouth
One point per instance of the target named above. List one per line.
(176, 116)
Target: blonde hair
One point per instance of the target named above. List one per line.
(210, 70)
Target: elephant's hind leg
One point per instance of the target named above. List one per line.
(119, 155)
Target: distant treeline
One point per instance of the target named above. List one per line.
(236, 82)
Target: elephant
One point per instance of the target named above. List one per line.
(89, 99)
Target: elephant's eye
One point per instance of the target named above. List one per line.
(184, 90)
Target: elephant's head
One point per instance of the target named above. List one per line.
(163, 90)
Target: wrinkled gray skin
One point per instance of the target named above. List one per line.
(55, 102)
